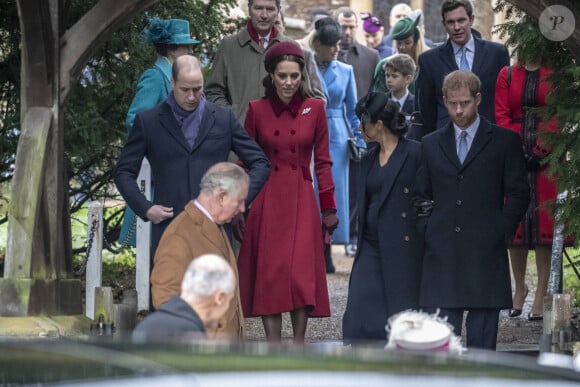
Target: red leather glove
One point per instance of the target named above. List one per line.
(239, 226)
(329, 220)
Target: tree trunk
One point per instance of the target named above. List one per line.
(38, 265)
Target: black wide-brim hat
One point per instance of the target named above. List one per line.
(328, 31)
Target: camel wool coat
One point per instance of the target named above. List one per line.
(190, 235)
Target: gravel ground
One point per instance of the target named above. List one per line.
(514, 333)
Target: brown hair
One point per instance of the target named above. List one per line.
(458, 79)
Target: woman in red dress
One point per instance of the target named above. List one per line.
(520, 90)
(281, 260)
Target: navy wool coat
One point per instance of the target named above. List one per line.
(176, 167)
(477, 207)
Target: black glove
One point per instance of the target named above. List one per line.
(239, 226)
(533, 160)
(423, 207)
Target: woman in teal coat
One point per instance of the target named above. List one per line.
(171, 39)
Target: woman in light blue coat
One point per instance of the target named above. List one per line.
(340, 89)
(171, 39)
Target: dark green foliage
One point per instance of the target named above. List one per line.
(563, 103)
(94, 113)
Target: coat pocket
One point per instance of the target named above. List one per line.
(306, 174)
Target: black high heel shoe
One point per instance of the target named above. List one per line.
(515, 312)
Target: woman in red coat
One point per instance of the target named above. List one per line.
(520, 90)
(281, 260)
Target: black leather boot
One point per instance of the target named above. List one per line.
(328, 259)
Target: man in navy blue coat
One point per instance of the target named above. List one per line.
(469, 211)
(182, 137)
(483, 57)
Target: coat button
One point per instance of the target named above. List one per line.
(457, 229)
(293, 149)
(407, 238)
(276, 133)
(459, 177)
(275, 167)
(293, 167)
(275, 151)
(403, 215)
(405, 190)
(293, 132)
(458, 202)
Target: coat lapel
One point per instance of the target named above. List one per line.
(479, 55)
(207, 122)
(331, 73)
(447, 56)
(448, 146)
(170, 124)
(393, 167)
(482, 138)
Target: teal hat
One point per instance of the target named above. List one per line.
(405, 27)
(168, 31)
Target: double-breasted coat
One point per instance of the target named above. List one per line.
(190, 235)
(281, 260)
(477, 207)
(339, 87)
(435, 64)
(176, 167)
(398, 248)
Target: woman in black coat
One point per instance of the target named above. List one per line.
(386, 271)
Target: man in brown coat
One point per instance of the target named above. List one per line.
(198, 230)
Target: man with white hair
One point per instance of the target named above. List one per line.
(198, 230)
(207, 290)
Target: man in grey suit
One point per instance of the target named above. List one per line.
(462, 51)
(471, 191)
(182, 137)
(363, 61)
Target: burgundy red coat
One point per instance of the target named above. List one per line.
(281, 261)
(509, 112)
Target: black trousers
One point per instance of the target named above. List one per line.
(481, 325)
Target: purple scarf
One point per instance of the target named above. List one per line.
(189, 121)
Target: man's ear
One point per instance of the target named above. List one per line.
(172, 82)
(408, 79)
(477, 99)
(219, 297)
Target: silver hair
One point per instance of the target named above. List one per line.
(224, 176)
(207, 274)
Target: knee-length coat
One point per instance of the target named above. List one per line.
(281, 260)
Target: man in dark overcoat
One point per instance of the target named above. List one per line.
(182, 137)
(483, 57)
(470, 209)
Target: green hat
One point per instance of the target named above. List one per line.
(168, 31)
(405, 27)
